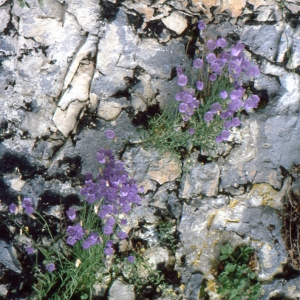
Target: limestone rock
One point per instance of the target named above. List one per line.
(65, 120)
(120, 290)
(111, 108)
(8, 257)
(4, 17)
(164, 170)
(201, 180)
(175, 22)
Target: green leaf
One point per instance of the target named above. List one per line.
(85, 296)
(226, 250)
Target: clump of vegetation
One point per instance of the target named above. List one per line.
(237, 281)
(209, 104)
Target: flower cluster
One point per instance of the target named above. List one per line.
(115, 193)
(26, 204)
(231, 64)
(114, 189)
(188, 103)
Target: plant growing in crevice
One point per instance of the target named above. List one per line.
(237, 281)
(167, 235)
(210, 102)
(72, 260)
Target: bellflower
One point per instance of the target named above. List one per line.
(50, 267)
(201, 25)
(211, 45)
(198, 63)
(110, 134)
(13, 208)
(182, 80)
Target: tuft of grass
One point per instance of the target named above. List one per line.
(168, 133)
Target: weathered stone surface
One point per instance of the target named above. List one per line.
(120, 290)
(158, 256)
(65, 120)
(87, 14)
(111, 108)
(8, 257)
(4, 17)
(257, 3)
(200, 180)
(175, 22)
(277, 288)
(255, 38)
(164, 170)
(233, 7)
(294, 46)
(79, 90)
(240, 218)
(158, 60)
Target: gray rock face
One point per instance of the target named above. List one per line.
(119, 290)
(9, 258)
(70, 70)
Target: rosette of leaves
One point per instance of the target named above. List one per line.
(237, 281)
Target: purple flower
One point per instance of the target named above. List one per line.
(235, 122)
(107, 230)
(208, 116)
(71, 240)
(236, 94)
(210, 45)
(248, 104)
(223, 115)
(215, 107)
(13, 208)
(225, 56)
(86, 245)
(215, 67)
(236, 50)
(122, 235)
(179, 96)
(125, 208)
(29, 250)
(179, 70)
(227, 124)
(110, 221)
(50, 267)
(108, 251)
(27, 202)
(223, 94)
(130, 258)
(213, 77)
(71, 213)
(220, 62)
(123, 222)
(70, 230)
(255, 100)
(191, 131)
(198, 63)
(211, 57)
(109, 243)
(79, 232)
(101, 158)
(234, 105)
(201, 25)
(183, 107)
(182, 80)
(219, 139)
(29, 210)
(199, 85)
(225, 135)
(221, 42)
(110, 134)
